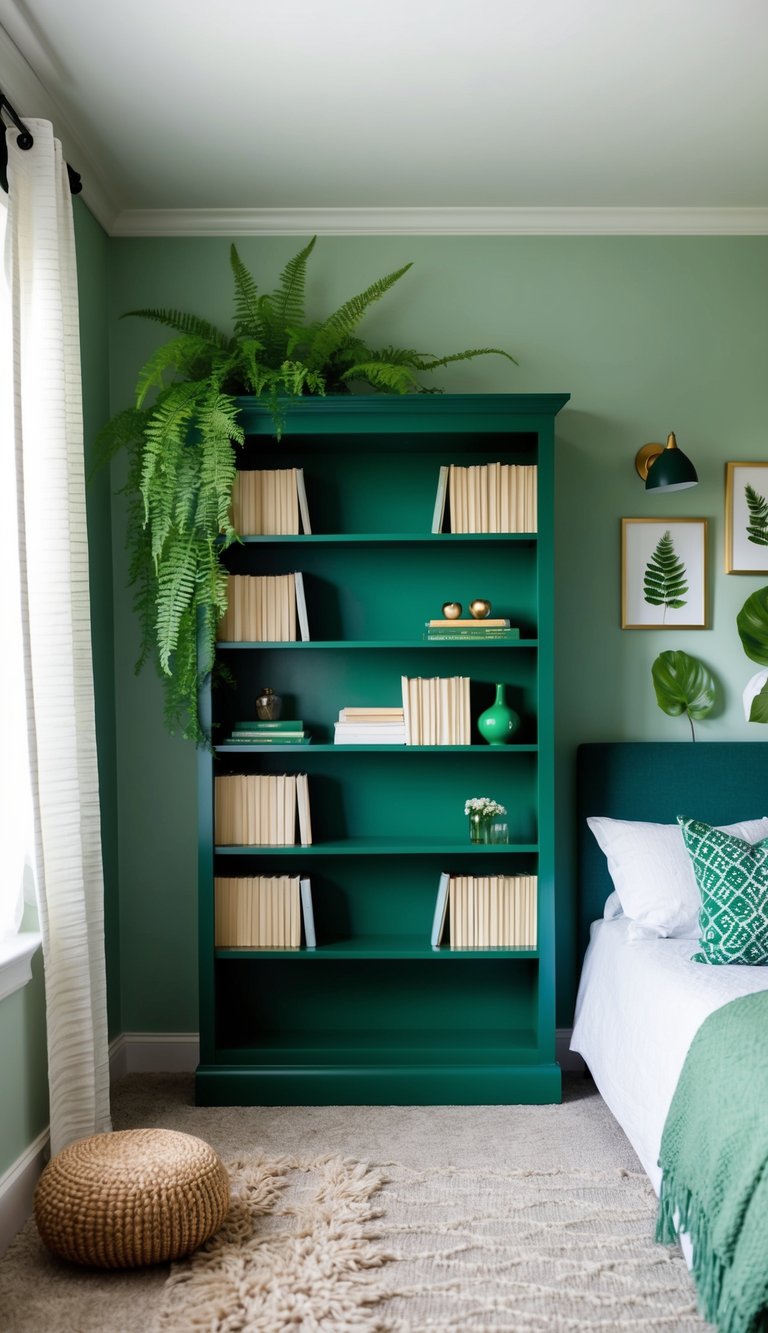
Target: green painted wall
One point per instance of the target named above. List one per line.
(24, 1084)
(647, 334)
(92, 262)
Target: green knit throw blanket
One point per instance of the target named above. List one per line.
(714, 1158)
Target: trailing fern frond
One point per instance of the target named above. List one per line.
(182, 450)
(337, 327)
(165, 434)
(288, 298)
(247, 319)
(189, 324)
(189, 355)
(176, 584)
(124, 431)
(384, 375)
(437, 361)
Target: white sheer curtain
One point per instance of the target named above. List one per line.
(59, 738)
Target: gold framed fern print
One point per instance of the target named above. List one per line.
(746, 518)
(664, 573)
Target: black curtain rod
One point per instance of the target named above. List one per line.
(26, 141)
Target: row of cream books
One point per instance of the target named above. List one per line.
(436, 710)
(263, 912)
(369, 726)
(261, 809)
(270, 503)
(486, 912)
(264, 608)
(487, 497)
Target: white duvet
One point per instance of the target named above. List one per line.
(639, 1005)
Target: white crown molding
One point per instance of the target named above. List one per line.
(441, 222)
(29, 97)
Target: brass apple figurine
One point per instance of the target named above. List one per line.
(452, 610)
(480, 608)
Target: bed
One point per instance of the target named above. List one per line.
(641, 1000)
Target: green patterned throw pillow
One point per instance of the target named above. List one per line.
(733, 881)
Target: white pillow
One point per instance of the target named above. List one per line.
(653, 875)
(612, 907)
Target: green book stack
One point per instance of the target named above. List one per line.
(268, 733)
(470, 631)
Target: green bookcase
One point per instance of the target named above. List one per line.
(374, 1015)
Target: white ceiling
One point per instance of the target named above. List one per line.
(501, 111)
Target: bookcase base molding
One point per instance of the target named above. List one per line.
(379, 1085)
(374, 1012)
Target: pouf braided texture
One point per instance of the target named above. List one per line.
(134, 1197)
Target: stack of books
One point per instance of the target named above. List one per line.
(370, 726)
(263, 912)
(470, 631)
(436, 710)
(270, 502)
(264, 608)
(486, 912)
(268, 733)
(487, 497)
(259, 810)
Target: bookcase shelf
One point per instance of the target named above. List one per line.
(381, 847)
(449, 645)
(395, 538)
(384, 946)
(322, 748)
(387, 1018)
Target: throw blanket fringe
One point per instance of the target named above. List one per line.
(714, 1160)
(680, 1210)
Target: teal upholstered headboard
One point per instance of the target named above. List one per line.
(655, 782)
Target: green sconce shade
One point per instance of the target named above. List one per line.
(667, 468)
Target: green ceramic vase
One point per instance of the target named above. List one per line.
(498, 724)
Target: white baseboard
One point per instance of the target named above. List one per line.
(130, 1053)
(17, 1188)
(145, 1053)
(154, 1053)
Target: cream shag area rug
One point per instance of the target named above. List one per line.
(334, 1244)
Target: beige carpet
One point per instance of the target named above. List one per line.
(388, 1218)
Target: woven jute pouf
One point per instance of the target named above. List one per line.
(135, 1197)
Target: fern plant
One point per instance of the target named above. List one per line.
(664, 582)
(182, 434)
(757, 528)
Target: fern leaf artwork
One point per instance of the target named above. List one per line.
(757, 527)
(182, 435)
(664, 582)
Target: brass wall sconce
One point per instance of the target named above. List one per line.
(665, 467)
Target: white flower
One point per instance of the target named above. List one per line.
(483, 806)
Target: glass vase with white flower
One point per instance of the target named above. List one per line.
(482, 811)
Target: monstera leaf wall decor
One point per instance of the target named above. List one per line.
(683, 685)
(752, 624)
